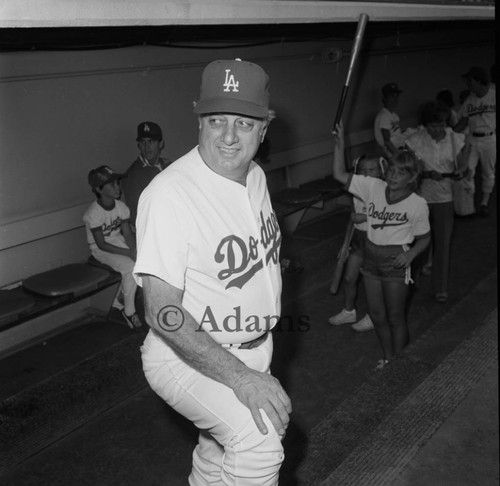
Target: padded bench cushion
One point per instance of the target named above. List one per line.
(14, 302)
(75, 279)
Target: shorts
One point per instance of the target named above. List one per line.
(358, 242)
(379, 260)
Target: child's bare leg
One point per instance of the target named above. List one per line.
(395, 296)
(351, 276)
(376, 308)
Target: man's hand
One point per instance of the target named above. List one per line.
(258, 391)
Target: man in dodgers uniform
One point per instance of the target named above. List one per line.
(148, 164)
(478, 113)
(208, 260)
(386, 128)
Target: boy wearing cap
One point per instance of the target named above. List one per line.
(478, 114)
(109, 235)
(386, 128)
(148, 164)
(208, 260)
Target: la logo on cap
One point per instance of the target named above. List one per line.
(230, 82)
(146, 127)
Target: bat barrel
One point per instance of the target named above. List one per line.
(360, 30)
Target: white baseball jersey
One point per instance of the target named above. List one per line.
(390, 121)
(390, 223)
(481, 113)
(216, 240)
(109, 221)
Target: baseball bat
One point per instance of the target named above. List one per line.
(356, 48)
(343, 255)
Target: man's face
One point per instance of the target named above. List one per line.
(149, 148)
(228, 143)
(392, 100)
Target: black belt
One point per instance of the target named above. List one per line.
(431, 174)
(248, 345)
(477, 134)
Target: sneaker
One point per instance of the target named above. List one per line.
(364, 324)
(343, 317)
(133, 321)
(381, 364)
(118, 305)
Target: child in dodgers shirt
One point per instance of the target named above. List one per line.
(397, 231)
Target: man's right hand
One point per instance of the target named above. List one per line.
(261, 391)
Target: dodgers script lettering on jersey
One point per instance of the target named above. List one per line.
(388, 218)
(230, 83)
(115, 225)
(241, 258)
(480, 109)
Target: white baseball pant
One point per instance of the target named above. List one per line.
(484, 150)
(231, 450)
(125, 266)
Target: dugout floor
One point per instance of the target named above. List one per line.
(75, 410)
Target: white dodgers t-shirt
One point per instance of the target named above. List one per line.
(390, 223)
(109, 221)
(216, 240)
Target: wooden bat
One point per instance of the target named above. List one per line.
(356, 48)
(342, 258)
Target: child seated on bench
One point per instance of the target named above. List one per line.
(110, 236)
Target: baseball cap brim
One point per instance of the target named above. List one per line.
(114, 177)
(226, 105)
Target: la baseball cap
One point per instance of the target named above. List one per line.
(477, 73)
(234, 86)
(390, 88)
(103, 175)
(149, 130)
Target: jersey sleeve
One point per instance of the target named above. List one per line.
(360, 186)
(124, 211)
(92, 218)
(162, 238)
(421, 226)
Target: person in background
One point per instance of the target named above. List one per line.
(208, 262)
(110, 236)
(445, 96)
(387, 129)
(148, 164)
(370, 167)
(478, 113)
(438, 146)
(397, 231)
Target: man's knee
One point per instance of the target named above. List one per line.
(252, 458)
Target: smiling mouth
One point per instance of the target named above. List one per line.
(228, 150)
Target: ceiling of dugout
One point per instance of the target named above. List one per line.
(203, 36)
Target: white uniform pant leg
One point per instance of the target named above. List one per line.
(125, 266)
(488, 157)
(231, 450)
(485, 152)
